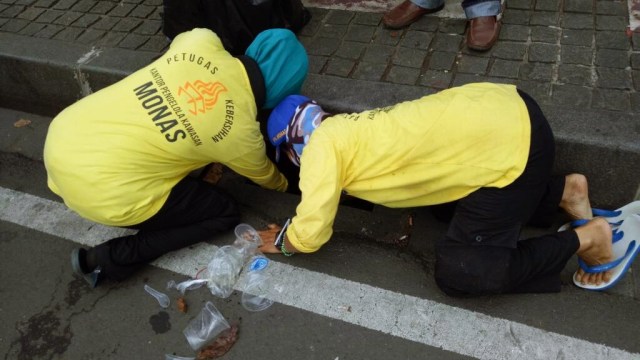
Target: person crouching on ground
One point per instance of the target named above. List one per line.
(487, 146)
(122, 156)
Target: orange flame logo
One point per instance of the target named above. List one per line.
(201, 95)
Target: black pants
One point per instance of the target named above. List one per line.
(195, 211)
(481, 252)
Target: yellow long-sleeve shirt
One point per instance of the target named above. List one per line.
(115, 155)
(433, 150)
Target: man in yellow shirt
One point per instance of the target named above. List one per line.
(122, 156)
(486, 146)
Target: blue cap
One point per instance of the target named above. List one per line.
(281, 117)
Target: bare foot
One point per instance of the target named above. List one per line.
(575, 198)
(595, 249)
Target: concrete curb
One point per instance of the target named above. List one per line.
(42, 76)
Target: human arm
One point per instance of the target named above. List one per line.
(321, 186)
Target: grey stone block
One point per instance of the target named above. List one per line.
(317, 63)
(452, 26)
(580, 6)
(112, 39)
(340, 67)
(582, 55)
(30, 14)
(12, 11)
(635, 101)
(578, 21)
(517, 17)
(607, 22)
(575, 74)
(350, 50)
(32, 29)
(440, 60)
(540, 52)
(339, 17)
(133, 41)
(49, 31)
(322, 46)
(86, 20)
(409, 57)
(102, 7)
(158, 43)
(106, 23)
(332, 31)
(83, 6)
(149, 27)
(635, 61)
(122, 10)
(473, 65)
(538, 90)
(612, 40)
(311, 28)
(608, 7)
(636, 79)
(369, 71)
(549, 5)
(509, 50)
(446, 42)
(544, 18)
(142, 11)
(64, 4)
(417, 39)
(611, 78)
(68, 18)
(69, 34)
(612, 58)
(376, 53)
(545, 34)
(426, 23)
(367, 18)
(577, 37)
(50, 16)
(403, 75)
(14, 25)
(519, 4)
(514, 32)
(387, 37)
(90, 36)
(361, 33)
(505, 68)
(436, 79)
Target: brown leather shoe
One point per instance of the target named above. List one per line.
(405, 14)
(483, 33)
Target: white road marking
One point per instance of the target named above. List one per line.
(424, 321)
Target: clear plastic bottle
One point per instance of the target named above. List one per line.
(227, 262)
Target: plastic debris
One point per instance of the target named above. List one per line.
(162, 298)
(205, 327)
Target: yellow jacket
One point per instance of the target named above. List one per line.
(433, 150)
(115, 155)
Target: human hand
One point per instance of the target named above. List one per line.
(268, 237)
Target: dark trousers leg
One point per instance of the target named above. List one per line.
(195, 211)
(480, 254)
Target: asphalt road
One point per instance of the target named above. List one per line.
(358, 298)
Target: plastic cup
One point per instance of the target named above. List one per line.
(256, 291)
(205, 327)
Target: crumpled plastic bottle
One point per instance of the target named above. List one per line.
(227, 262)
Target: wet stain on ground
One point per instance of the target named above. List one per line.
(42, 336)
(160, 322)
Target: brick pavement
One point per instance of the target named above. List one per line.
(569, 54)
(573, 53)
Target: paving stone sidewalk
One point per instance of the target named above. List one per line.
(573, 53)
